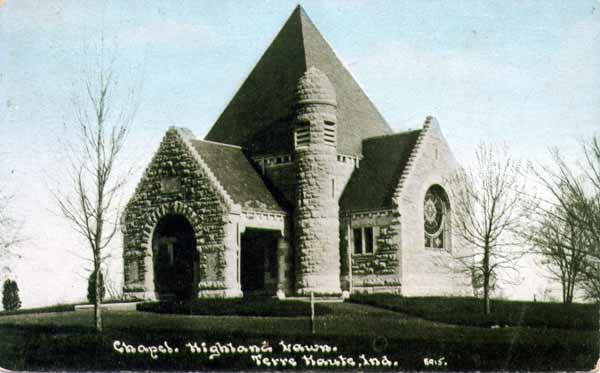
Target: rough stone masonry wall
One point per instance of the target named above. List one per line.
(377, 272)
(316, 214)
(173, 183)
(284, 177)
(427, 271)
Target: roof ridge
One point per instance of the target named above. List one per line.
(254, 64)
(219, 143)
(302, 13)
(392, 134)
(340, 60)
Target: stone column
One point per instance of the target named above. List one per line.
(230, 272)
(283, 251)
(150, 290)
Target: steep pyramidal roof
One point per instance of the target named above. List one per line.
(258, 116)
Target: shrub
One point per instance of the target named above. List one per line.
(56, 308)
(235, 307)
(10, 296)
(91, 292)
(468, 311)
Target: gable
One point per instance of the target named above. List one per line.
(190, 170)
(432, 163)
(172, 178)
(258, 116)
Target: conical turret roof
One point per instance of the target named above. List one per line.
(314, 86)
(259, 115)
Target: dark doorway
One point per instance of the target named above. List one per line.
(259, 261)
(175, 258)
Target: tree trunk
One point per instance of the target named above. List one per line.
(598, 303)
(486, 294)
(486, 281)
(100, 180)
(98, 301)
(573, 282)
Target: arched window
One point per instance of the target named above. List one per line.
(435, 213)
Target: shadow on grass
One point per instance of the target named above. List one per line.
(48, 345)
(267, 307)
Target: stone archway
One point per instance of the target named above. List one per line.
(175, 259)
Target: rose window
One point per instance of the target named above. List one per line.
(434, 211)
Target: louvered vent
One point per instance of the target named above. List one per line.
(302, 134)
(329, 133)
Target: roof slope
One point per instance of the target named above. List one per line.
(372, 185)
(258, 116)
(236, 174)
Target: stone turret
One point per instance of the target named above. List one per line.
(316, 213)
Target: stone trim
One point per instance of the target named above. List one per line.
(368, 213)
(212, 285)
(353, 159)
(288, 159)
(412, 159)
(263, 220)
(376, 280)
(165, 209)
(213, 142)
(273, 161)
(263, 214)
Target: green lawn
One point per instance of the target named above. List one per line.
(67, 341)
(468, 311)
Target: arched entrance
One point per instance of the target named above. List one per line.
(175, 258)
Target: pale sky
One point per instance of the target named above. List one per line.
(524, 73)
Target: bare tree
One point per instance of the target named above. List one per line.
(90, 202)
(575, 191)
(113, 288)
(487, 209)
(562, 246)
(10, 227)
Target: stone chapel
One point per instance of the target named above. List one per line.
(300, 186)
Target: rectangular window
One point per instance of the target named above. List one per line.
(364, 240)
(368, 240)
(357, 240)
